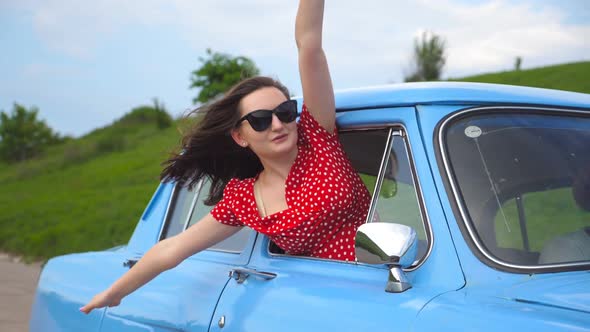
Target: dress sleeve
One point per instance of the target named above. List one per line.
(312, 133)
(223, 210)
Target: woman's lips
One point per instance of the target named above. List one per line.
(280, 138)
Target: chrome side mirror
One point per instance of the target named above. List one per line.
(391, 244)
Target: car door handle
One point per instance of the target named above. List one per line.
(241, 274)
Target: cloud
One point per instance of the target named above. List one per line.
(481, 36)
(84, 45)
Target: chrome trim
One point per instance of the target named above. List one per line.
(223, 250)
(380, 176)
(370, 127)
(386, 243)
(197, 191)
(165, 221)
(465, 220)
(420, 199)
(397, 281)
(391, 244)
(241, 274)
(417, 189)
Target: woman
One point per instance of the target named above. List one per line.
(289, 181)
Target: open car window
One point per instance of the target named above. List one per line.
(383, 161)
(523, 180)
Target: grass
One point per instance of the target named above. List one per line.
(88, 193)
(548, 213)
(570, 77)
(58, 204)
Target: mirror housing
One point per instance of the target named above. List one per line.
(387, 243)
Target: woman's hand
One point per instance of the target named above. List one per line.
(104, 299)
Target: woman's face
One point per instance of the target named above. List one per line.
(279, 139)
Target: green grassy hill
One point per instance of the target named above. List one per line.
(86, 194)
(570, 77)
(89, 193)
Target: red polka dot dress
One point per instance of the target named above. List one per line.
(326, 199)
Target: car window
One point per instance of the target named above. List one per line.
(234, 243)
(524, 181)
(187, 208)
(397, 200)
(178, 210)
(534, 226)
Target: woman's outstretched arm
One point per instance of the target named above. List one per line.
(318, 93)
(165, 255)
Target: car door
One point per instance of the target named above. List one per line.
(277, 292)
(183, 298)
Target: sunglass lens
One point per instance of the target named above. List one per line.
(260, 120)
(287, 111)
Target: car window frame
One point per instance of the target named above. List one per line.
(455, 199)
(197, 194)
(395, 129)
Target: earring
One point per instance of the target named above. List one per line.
(244, 144)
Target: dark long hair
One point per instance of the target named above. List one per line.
(208, 150)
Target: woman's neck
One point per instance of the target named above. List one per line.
(278, 168)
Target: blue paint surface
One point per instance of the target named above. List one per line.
(452, 289)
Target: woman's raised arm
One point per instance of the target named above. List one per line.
(318, 93)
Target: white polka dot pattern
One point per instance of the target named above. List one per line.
(326, 199)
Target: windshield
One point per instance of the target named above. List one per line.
(524, 183)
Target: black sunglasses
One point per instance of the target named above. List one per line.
(260, 120)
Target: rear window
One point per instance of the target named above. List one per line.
(523, 182)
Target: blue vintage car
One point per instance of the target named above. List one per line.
(479, 222)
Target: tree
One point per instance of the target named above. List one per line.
(517, 63)
(218, 73)
(22, 135)
(428, 58)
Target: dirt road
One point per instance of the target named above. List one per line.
(17, 288)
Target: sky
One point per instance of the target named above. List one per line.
(86, 63)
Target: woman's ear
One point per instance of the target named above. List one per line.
(237, 136)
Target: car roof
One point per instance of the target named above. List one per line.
(455, 93)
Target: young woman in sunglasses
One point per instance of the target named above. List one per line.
(288, 180)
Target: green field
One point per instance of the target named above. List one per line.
(88, 193)
(84, 195)
(570, 77)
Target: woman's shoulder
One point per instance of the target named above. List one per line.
(236, 184)
(311, 125)
(312, 133)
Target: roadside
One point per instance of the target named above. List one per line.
(17, 288)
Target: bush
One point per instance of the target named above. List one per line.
(110, 143)
(74, 154)
(146, 114)
(163, 119)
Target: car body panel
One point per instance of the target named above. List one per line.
(193, 288)
(453, 288)
(568, 290)
(470, 310)
(455, 93)
(64, 284)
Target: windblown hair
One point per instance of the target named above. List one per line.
(208, 150)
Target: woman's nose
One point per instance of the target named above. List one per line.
(276, 123)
